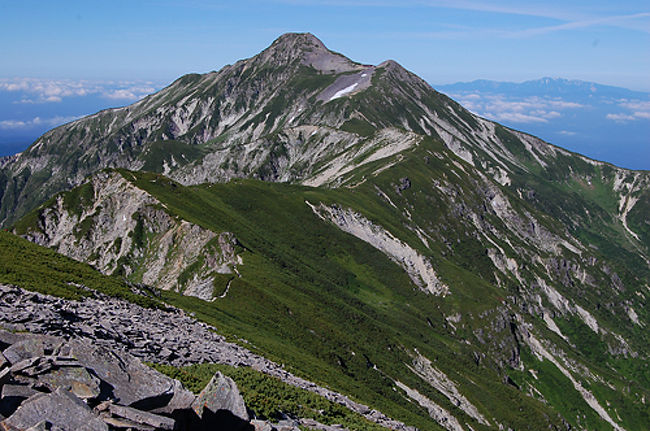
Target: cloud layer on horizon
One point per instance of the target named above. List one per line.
(39, 90)
(36, 122)
(527, 110)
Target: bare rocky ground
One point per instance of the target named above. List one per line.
(126, 330)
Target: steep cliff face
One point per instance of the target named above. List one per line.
(120, 229)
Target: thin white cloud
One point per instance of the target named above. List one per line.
(620, 117)
(635, 104)
(36, 121)
(572, 17)
(499, 107)
(515, 117)
(637, 109)
(618, 20)
(52, 91)
(131, 93)
(567, 133)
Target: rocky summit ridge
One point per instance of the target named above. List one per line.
(354, 224)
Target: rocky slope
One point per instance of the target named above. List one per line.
(119, 228)
(120, 332)
(69, 385)
(432, 264)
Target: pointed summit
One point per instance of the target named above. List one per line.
(310, 51)
(298, 40)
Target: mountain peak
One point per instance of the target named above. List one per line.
(310, 51)
(299, 40)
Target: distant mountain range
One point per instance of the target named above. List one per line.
(554, 87)
(604, 122)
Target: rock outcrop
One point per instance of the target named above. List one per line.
(74, 385)
(115, 326)
(119, 228)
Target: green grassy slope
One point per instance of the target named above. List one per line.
(32, 267)
(337, 311)
(340, 312)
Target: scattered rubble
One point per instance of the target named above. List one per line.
(122, 334)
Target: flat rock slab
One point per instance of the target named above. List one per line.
(21, 391)
(12, 396)
(75, 379)
(142, 418)
(8, 338)
(31, 346)
(60, 408)
(44, 426)
(133, 383)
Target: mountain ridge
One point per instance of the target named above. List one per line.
(380, 238)
(587, 87)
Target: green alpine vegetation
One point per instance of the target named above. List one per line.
(269, 398)
(39, 269)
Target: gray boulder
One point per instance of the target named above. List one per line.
(76, 379)
(259, 425)
(60, 408)
(12, 395)
(31, 346)
(140, 419)
(131, 382)
(8, 338)
(182, 399)
(44, 426)
(221, 394)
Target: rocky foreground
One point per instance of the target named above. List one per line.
(48, 383)
(78, 342)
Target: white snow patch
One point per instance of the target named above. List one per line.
(345, 91)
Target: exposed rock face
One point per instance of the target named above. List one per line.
(443, 384)
(117, 227)
(66, 384)
(439, 414)
(114, 326)
(219, 396)
(59, 408)
(418, 267)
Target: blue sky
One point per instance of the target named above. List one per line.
(441, 40)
